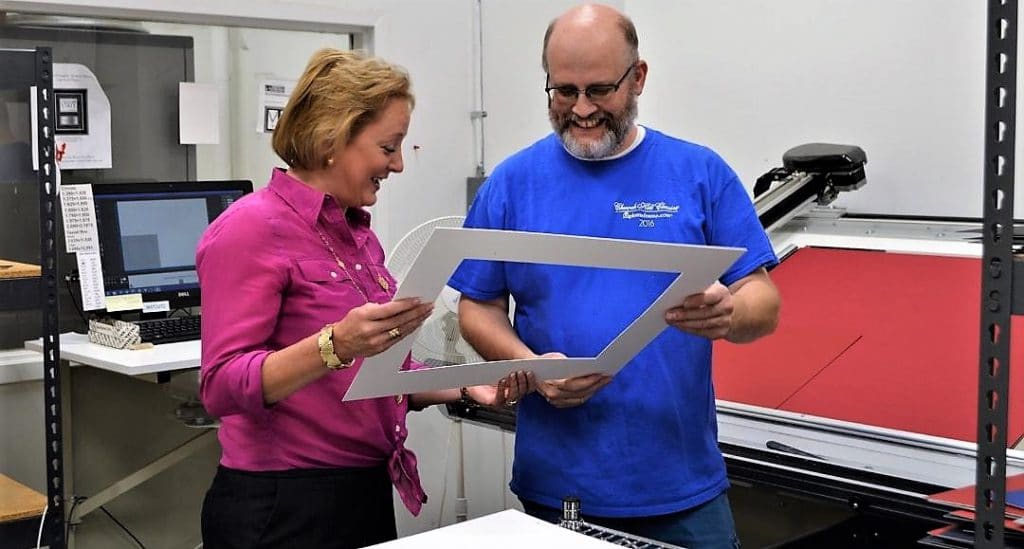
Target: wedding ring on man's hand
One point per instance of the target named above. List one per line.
(512, 402)
(395, 333)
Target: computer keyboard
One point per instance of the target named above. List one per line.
(169, 330)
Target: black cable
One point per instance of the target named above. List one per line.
(81, 313)
(123, 527)
(75, 500)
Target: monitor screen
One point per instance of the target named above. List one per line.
(148, 234)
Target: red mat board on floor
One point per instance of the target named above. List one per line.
(963, 497)
(914, 360)
(963, 515)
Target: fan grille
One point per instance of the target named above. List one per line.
(439, 341)
(410, 246)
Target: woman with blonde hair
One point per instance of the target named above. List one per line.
(295, 294)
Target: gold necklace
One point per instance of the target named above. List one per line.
(381, 281)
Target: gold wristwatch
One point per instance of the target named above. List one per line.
(326, 343)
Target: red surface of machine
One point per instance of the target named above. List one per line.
(872, 337)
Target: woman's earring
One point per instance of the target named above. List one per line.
(330, 161)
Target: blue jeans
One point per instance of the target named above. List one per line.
(707, 526)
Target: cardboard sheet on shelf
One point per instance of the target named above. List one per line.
(13, 269)
(18, 502)
(915, 365)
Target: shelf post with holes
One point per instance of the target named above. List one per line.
(46, 159)
(998, 273)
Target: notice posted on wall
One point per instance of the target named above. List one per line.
(273, 96)
(82, 120)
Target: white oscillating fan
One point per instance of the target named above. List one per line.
(439, 341)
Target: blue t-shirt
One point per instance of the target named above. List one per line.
(646, 444)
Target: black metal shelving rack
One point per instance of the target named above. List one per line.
(34, 69)
(45, 111)
(999, 272)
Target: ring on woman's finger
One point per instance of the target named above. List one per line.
(512, 402)
(395, 333)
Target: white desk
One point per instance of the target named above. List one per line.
(17, 365)
(167, 357)
(144, 365)
(508, 529)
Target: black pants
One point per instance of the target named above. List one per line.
(322, 508)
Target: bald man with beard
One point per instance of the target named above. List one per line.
(639, 449)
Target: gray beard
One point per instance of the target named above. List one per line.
(616, 130)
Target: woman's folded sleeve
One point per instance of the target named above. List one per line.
(242, 280)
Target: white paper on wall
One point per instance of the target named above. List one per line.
(90, 281)
(273, 96)
(198, 114)
(82, 120)
(79, 215)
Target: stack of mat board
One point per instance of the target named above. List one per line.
(960, 532)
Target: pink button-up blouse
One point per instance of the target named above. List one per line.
(268, 280)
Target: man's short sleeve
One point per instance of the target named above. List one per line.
(477, 279)
(734, 222)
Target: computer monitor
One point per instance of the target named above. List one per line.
(148, 234)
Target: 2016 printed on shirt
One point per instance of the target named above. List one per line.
(646, 213)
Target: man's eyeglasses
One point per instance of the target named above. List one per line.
(594, 92)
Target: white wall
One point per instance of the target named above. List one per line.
(434, 41)
(513, 78)
(236, 61)
(258, 55)
(904, 80)
(752, 78)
